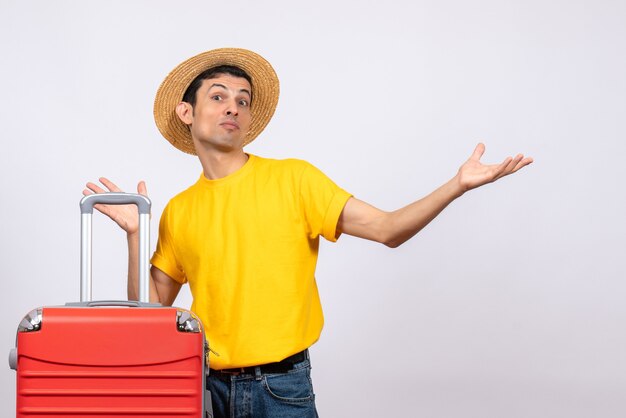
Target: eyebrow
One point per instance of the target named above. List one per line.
(225, 88)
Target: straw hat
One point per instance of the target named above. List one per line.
(265, 90)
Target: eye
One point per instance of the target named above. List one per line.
(244, 103)
(216, 97)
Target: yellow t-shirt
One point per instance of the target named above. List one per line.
(247, 244)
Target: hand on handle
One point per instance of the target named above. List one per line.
(124, 215)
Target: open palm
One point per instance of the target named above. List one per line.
(474, 174)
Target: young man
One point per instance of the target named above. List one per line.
(245, 236)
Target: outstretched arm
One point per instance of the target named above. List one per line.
(163, 289)
(394, 228)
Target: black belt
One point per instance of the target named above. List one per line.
(282, 366)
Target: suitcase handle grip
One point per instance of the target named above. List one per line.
(87, 203)
(86, 208)
(104, 303)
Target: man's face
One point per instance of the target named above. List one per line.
(221, 117)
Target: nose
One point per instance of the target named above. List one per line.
(231, 108)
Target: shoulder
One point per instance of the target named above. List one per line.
(283, 167)
(299, 171)
(286, 163)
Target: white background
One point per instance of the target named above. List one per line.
(510, 304)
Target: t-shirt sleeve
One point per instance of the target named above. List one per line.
(322, 201)
(164, 257)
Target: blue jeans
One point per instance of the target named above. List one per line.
(258, 395)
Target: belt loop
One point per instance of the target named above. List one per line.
(306, 354)
(257, 373)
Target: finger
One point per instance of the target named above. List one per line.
(87, 192)
(478, 152)
(514, 162)
(522, 163)
(142, 189)
(501, 169)
(514, 165)
(95, 188)
(110, 185)
(511, 165)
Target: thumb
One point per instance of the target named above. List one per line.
(142, 189)
(478, 152)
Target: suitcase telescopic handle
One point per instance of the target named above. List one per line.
(86, 209)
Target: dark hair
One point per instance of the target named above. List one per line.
(190, 93)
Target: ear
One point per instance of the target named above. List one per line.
(185, 112)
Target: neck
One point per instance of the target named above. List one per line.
(218, 165)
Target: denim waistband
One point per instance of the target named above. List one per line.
(282, 366)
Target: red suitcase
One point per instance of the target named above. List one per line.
(111, 358)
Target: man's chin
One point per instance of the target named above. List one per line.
(222, 145)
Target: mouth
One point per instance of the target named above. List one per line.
(230, 124)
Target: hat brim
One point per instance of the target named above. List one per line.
(265, 92)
